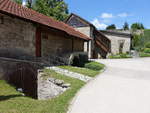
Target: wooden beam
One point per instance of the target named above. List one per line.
(38, 42)
(72, 45)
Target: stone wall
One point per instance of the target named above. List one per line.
(78, 45)
(58, 45)
(88, 31)
(20, 74)
(18, 40)
(17, 37)
(50, 87)
(115, 43)
(85, 30)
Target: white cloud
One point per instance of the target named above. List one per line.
(107, 15)
(98, 24)
(110, 15)
(123, 15)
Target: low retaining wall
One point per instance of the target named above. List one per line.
(20, 74)
(27, 76)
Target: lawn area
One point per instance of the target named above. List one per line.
(142, 54)
(120, 56)
(12, 101)
(91, 72)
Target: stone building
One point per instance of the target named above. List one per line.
(99, 46)
(120, 41)
(26, 33)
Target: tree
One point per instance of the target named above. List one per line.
(111, 27)
(29, 3)
(18, 1)
(54, 8)
(137, 26)
(126, 26)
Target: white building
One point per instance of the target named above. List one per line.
(120, 41)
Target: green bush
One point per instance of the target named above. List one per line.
(79, 59)
(146, 50)
(147, 45)
(94, 66)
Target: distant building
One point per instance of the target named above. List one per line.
(99, 46)
(120, 40)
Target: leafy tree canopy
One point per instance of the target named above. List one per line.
(111, 27)
(57, 9)
(18, 1)
(54, 8)
(126, 26)
(137, 26)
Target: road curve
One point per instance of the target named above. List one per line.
(123, 88)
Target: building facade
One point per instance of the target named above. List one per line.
(26, 33)
(120, 41)
(99, 46)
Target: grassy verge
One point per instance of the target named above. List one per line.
(90, 69)
(13, 102)
(119, 56)
(142, 54)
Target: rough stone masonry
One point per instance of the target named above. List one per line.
(50, 87)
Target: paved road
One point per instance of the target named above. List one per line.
(123, 88)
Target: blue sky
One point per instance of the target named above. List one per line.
(105, 12)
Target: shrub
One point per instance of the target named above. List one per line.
(79, 59)
(147, 45)
(94, 66)
(146, 50)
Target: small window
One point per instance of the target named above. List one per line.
(44, 35)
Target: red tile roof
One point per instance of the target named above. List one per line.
(12, 8)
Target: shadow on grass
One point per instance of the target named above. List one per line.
(3, 98)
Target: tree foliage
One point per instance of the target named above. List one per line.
(54, 8)
(57, 9)
(28, 3)
(18, 1)
(111, 27)
(137, 26)
(126, 26)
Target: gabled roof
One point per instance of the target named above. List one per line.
(87, 22)
(90, 24)
(11, 8)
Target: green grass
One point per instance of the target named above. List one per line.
(94, 66)
(119, 56)
(85, 71)
(142, 54)
(12, 101)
